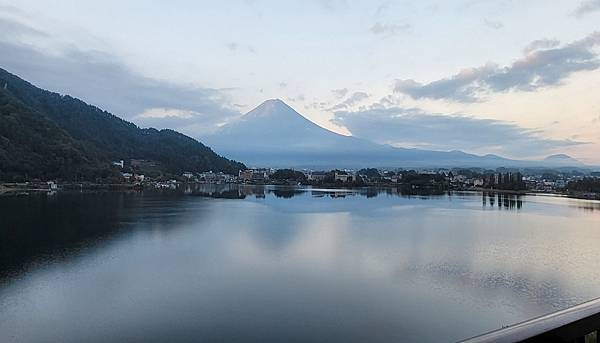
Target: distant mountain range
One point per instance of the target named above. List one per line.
(273, 134)
(46, 135)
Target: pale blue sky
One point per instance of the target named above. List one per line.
(192, 65)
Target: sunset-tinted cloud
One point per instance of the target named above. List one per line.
(543, 65)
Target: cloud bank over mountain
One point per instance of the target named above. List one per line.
(416, 128)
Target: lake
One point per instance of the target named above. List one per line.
(272, 264)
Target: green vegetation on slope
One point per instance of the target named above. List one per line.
(45, 135)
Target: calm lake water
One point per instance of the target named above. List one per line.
(288, 265)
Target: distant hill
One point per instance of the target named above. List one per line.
(561, 160)
(46, 135)
(273, 134)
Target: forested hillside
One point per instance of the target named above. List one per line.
(46, 135)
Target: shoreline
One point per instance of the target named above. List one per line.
(27, 188)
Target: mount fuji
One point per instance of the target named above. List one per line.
(275, 135)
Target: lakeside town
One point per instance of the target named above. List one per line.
(143, 174)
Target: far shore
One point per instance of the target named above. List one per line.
(42, 187)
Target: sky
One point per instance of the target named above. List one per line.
(514, 78)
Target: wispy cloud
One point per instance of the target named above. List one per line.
(541, 44)
(196, 124)
(389, 29)
(11, 29)
(587, 7)
(416, 128)
(299, 97)
(544, 64)
(340, 93)
(352, 100)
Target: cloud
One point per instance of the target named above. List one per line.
(463, 86)
(492, 24)
(340, 93)
(587, 7)
(103, 80)
(12, 29)
(390, 29)
(316, 105)
(299, 97)
(543, 65)
(166, 113)
(541, 44)
(186, 121)
(353, 99)
(415, 128)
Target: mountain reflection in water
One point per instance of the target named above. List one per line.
(227, 263)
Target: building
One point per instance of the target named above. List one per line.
(208, 177)
(245, 175)
(188, 175)
(344, 177)
(118, 163)
(508, 181)
(261, 174)
(256, 175)
(393, 178)
(317, 176)
(211, 177)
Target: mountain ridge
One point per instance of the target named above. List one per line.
(276, 135)
(74, 140)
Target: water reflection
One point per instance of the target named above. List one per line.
(49, 227)
(507, 201)
(586, 205)
(288, 264)
(234, 191)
